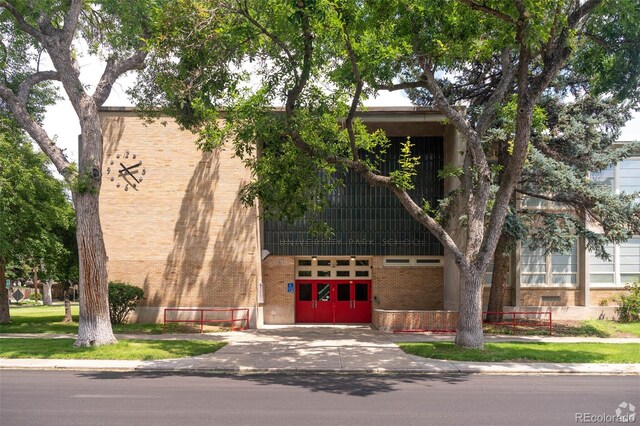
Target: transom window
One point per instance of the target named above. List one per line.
(414, 261)
(350, 267)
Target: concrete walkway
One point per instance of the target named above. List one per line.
(315, 349)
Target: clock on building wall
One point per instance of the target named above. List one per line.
(126, 170)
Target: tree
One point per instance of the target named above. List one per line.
(33, 209)
(115, 31)
(573, 138)
(320, 59)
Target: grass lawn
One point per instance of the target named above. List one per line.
(48, 319)
(124, 349)
(530, 352)
(562, 328)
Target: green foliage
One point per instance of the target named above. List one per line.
(403, 177)
(628, 309)
(32, 296)
(123, 298)
(36, 217)
(449, 170)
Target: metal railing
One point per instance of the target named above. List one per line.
(203, 320)
(434, 324)
(524, 321)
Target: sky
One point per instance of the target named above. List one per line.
(62, 123)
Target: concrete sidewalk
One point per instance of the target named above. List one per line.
(316, 349)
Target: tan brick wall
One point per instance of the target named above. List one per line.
(389, 320)
(507, 296)
(183, 236)
(413, 287)
(608, 295)
(533, 297)
(277, 272)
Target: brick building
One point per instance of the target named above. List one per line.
(174, 225)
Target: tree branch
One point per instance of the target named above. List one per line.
(414, 209)
(24, 25)
(71, 21)
(112, 71)
(356, 96)
(25, 87)
(582, 11)
(513, 169)
(245, 13)
(489, 11)
(496, 98)
(307, 38)
(443, 104)
(403, 85)
(48, 146)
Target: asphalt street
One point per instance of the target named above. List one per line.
(134, 398)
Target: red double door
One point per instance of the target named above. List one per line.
(333, 301)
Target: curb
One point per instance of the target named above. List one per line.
(455, 368)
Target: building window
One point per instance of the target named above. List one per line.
(550, 269)
(622, 268)
(623, 177)
(414, 261)
(488, 276)
(332, 267)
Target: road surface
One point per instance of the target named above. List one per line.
(108, 398)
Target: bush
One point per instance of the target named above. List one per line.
(123, 298)
(32, 296)
(629, 309)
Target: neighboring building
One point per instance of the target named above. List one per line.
(176, 227)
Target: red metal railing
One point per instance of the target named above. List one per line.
(516, 319)
(528, 323)
(202, 320)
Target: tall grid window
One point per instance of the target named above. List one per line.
(622, 268)
(550, 269)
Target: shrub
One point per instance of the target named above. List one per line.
(32, 296)
(123, 298)
(629, 309)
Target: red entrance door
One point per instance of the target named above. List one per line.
(333, 301)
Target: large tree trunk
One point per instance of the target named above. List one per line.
(5, 316)
(469, 330)
(499, 279)
(94, 325)
(47, 300)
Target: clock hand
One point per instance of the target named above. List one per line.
(126, 169)
(139, 163)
